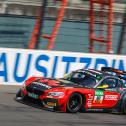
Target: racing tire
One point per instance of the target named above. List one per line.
(74, 103)
(124, 106)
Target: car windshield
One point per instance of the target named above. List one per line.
(81, 78)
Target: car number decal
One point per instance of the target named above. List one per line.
(99, 95)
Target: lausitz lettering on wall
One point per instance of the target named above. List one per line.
(16, 65)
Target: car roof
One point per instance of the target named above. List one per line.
(96, 72)
(101, 74)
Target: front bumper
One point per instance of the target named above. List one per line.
(42, 101)
(51, 103)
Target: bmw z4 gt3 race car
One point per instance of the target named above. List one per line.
(81, 90)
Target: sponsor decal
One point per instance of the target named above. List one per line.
(111, 97)
(99, 95)
(95, 110)
(32, 95)
(41, 84)
(51, 104)
(89, 100)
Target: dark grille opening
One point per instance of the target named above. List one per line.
(34, 90)
(33, 102)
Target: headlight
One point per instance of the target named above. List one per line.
(56, 94)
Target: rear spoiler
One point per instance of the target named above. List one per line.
(116, 71)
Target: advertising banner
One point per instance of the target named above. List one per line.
(16, 65)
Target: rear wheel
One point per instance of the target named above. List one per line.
(74, 103)
(124, 106)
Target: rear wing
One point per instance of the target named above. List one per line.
(119, 73)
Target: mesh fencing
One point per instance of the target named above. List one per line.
(18, 17)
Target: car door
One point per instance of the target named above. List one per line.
(106, 95)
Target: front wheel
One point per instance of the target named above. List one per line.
(74, 103)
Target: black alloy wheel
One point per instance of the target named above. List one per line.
(74, 103)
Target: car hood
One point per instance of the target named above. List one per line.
(47, 83)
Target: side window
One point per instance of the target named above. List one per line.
(110, 82)
(123, 83)
(78, 75)
(120, 83)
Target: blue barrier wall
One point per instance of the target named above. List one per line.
(15, 31)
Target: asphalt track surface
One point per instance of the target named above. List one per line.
(13, 113)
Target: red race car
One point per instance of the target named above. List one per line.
(81, 90)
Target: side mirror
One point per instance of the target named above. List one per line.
(66, 75)
(103, 86)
